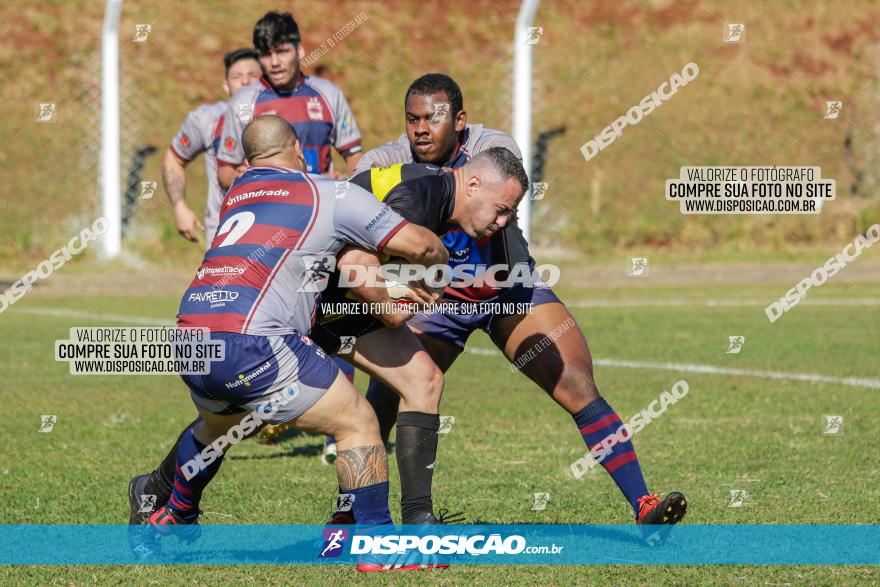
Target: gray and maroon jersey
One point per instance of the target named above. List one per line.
(200, 133)
(507, 246)
(279, 230)
(317, 110)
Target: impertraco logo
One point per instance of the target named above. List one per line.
(224, 271)
(334, 539)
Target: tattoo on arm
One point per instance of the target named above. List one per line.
(174, 180)
(361, 466)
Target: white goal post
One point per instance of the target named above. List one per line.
(111, 184)
(522, 101)
(110, 147)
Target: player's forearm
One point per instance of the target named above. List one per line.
(352, 262)
(429, 250)
(351, 163)
(174, 178)
(226, 174)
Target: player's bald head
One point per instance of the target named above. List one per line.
(267, 136)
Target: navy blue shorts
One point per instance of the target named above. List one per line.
(262, 368)
(456, 326)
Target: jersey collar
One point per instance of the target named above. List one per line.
(269, 86)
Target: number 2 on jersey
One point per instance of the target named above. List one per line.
(236, 225)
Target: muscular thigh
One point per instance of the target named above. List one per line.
(442, 353)
(341, 409)
(397, 358)
(549, 348)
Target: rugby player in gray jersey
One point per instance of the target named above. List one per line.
(263, 313)
(200, 133)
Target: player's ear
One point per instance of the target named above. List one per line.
(473, 184)
(300, 52)
(226, 87)
(297, 148)
(460, 121)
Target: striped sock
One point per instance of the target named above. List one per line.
(186, 493)
(597, 422)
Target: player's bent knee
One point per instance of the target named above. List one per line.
(361, 423)
(355, 416)
(422, 384)
(576, 385)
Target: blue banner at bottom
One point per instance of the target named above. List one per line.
(442, 544)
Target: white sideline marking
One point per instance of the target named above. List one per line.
(712, 302)
(65, 313)
(810, 377)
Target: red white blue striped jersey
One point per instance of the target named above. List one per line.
(277, 229)
(317, 110)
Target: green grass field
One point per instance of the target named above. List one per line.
(756, 103)
(509, 440)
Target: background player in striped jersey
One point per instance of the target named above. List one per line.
(250, 291)
(315, 107)
(200, 133)
(437, 132)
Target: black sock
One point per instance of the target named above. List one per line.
(416, 453)
(163, 477)
(385, 402)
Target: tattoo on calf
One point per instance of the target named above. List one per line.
(361, 466)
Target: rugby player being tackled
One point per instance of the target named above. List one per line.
(438, 133)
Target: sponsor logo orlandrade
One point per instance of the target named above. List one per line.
(625, 432)
(56, 260)
(634, 115)
(823, 273)
(279, 193)
(239, 432)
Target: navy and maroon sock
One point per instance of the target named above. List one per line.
(163, 476)
(599, 421)
(187, 493)
(369, 505)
